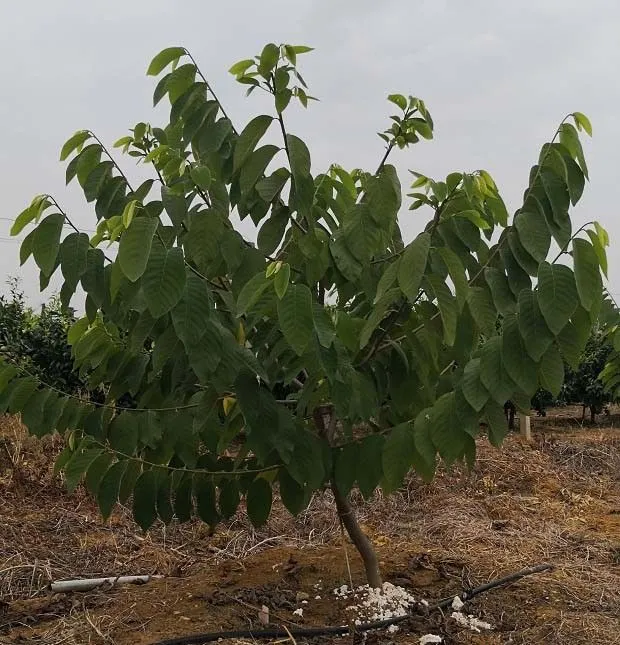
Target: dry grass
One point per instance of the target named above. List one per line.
(557, 501)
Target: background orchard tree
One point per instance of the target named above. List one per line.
(376, 340)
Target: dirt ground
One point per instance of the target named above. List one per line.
(556, 500)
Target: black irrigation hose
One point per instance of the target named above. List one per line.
(201, 639)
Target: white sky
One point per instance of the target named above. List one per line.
(497, 77)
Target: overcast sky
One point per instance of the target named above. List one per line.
(496, 76)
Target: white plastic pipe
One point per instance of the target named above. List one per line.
(88, 584)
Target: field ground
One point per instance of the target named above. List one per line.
(557, 501)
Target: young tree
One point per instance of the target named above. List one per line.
(376, 340)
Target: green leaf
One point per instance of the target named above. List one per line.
(96, 180)
(299, 156)
(532, 325)
(259, 500)
(251, 293)
(557, 295)
(398, 454)
(295, 317)
(587, 273)
(515, 359)
(552, 370)
(387, 279)
(163, 59)
(249, 138)
(163, 281)
(370, 464)
(135, 247)
(204, 492)
(599, 249)
(123, 433)
(74, 142)
(447, 433)
(239, 68)
(447, 307)
(183, 503)
(302, 49)
(145, 499)
(412, 264)
(472, 387)
(482, 309)
(503, 297)
(323, 325)
(96, 471)
(78, 465)
(73, 256)
(398, 99)
(292, 494)
(377, 314)
(496, 420)
(345, 467)
(189, 316)
(281, 280)
(107, 493)
(46, 242)
(534, 234)
(269, 187)
(456, 270)
(254, 168)
(268, 59)
(174, 205)
(201, 176)
(272, 231)
(229, 498)
(582, 121)
(492, 371)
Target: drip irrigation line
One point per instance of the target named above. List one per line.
(334, 630)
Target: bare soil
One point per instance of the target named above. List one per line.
(556, 500)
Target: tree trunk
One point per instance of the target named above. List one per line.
(583, 413)
(359, 538)
(592, 415)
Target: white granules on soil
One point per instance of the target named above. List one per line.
(370, 605)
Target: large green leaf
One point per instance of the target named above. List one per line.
(295, 316)
(272, 231)
(587, 273)
(163, 59)
(123, 433)
(447, 307)
(492, 372)
(251, 293)
(163, 281)
(254, 167)
(77, 466)
(472, 387)
(74, 142)
(73, 256)
(249, 138)
(345, 467)
(482, 309)
(258, 500)
(447, 431)
(503, 296)
(534, 234)
(370, 464)
(552, 370)
(97, 179)
(189, 316)
(135, 247)
(532, 325)
(107, 493)
(412, 264)
(145, 499)
(515, 359)
(398, 455)
(557, 295)
(46, 242)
